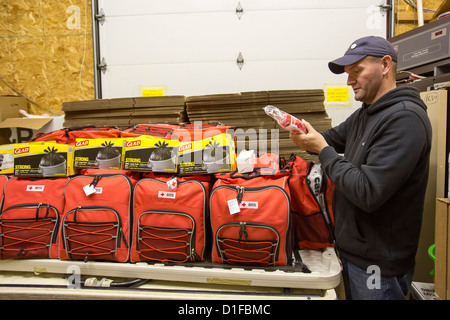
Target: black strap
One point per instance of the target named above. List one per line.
(298, 262)
(96, 179)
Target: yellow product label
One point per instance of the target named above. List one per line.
(6, 148)
(30, 148)
(23, 166)
(6, 159)
(99, 142)
(223, 139)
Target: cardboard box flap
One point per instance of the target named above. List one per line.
(10, 106)
(29, 123)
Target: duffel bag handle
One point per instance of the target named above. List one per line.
(253, 174)
(81, 127)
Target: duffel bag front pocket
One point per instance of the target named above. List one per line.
(247, 243)
(28, 231)
(166, 236)
(92, 233)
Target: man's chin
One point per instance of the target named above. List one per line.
(358, 96)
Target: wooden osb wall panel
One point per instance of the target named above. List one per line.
(406, 15)
(46, 51)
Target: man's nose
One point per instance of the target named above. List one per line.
(350, 80)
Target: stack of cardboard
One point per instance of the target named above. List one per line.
(125, 112)
(245, 112)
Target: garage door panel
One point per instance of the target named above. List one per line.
(295, 34)
(191, 46)
(155, 7)
(212, 37)
(169, 38)
(210, 78)
(147, 7)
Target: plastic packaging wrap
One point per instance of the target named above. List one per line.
(285, 120)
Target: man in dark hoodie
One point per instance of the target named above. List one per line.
(381, 177)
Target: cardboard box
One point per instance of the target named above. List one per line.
(9, 108)
(20, 130)
(147, 153)
(442, 252)
(99, 153)
(42, 160)
(7, 159)
(210, 155)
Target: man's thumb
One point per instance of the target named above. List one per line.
(307, 125)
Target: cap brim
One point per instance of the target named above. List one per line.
(337, 66)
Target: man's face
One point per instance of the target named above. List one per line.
(365, 77)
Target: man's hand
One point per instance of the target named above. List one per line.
(312, 141)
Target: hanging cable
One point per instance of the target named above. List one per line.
(414, 5)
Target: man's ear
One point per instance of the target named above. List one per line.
(386, 62)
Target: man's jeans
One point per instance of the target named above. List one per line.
(368, 284)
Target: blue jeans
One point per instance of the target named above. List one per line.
(369, 284)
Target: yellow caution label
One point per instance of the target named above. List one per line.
(337, 95)
(152, 92)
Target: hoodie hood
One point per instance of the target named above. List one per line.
(394, 96)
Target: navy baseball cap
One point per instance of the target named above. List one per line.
(361, 48)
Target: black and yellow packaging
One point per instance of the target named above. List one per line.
(99, 153)
(209, 155)
(147, 153)
(43, 160)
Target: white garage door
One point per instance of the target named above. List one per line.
(191, 47)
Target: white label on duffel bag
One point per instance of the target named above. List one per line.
(172, 183)
(89, 189)
(32, 187)
(249, 205)
(233, 206)
(166, 194)
(98, 190)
